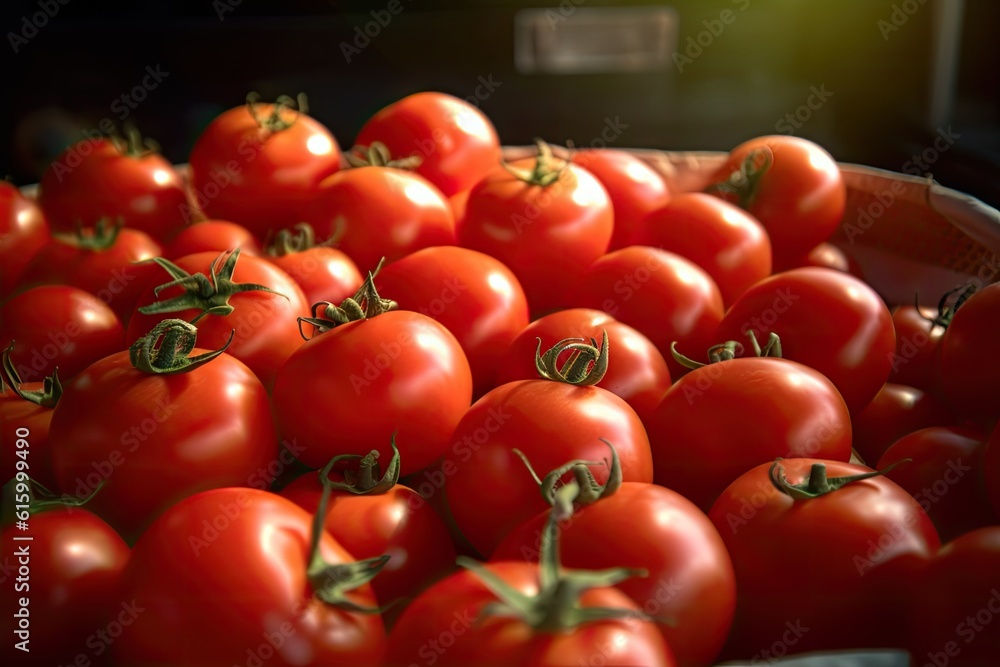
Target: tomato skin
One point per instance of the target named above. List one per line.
(348, 390)
(896, 411)
(452, 606)
(16, 414)
(825, 255)
(475, 296)
(916, 361)
(215, 595)
(145, 191)
(634, 187)
(646, 526)
(991, 470)
(720, 420)
(155, 439)
(637, 372)
(552, 423)
(971, 374)
(58, 325)
(826, 319)
(380, 212)
(263, 180)
(721, 238)
(324, 274)
(23, 232)
(456, 143)
(214, 235)
(859, 548)
(547, 236)
(76, 562)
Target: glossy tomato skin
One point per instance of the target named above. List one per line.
(323, 273)
(718, 421)
(800, 199)
(377, 212)
(857, 549)
(725, 241)
(222, 580)
(634, 187)
(27, 422)
(76, 562)
(155, 439)
(547, 236)
(552, 423)
(452, 606)
(637, 372)
(58, 326)
(93, 179)
(690, 580)
(457, 145)
(970, 376)
(917, 359)
(346, 391)
(23, 232)
(824, 255)
(212, 235)
(896, 411)
(261, 179)
(475, 296)
(826, 319)
(266, 324)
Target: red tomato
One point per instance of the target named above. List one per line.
(857, 547)
(58, 326)
(896, 410)
(634, 187)
(260, 165)
(323, 273)
(223, 579)
(95, 179)
(217, 235)
(916, 361)
(547, 224)
(637, 372)
(23, 232)
(25, 417)
(991, 470)
(722, 239)
(825, 255)
(970, 372)
(73, 589)
(690, 577)
(474, 295)
(828, 320)
(458, 202)
(455, 142)
(791, 185)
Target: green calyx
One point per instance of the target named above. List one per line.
(365, 303)
(586, 365)
(730, 350)
(949, 304)
(208, 294)
(276, 121)
(546, 170)
(165, 349)
(377, 155)
(46, 397)
(582, 489)
(743, 184)
(133, 144)
(299, 238)
(368, 478)
(102, 236)
(31, 495)
(818, 483)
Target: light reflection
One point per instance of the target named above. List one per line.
(318, 144)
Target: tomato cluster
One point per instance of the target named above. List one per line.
(411, 404)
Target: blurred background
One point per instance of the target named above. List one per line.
(906, 85)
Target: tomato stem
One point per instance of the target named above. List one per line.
(40, 498)
(545, 172)
(730, 350)
(377, 155)
(368, 479)
(945, 311)
(583, 489)
(587, 364)
(300, 238)
(365, 303)
(275, 122)
(102, 236)
(165, 349)
(133, 144)
(818, 484)
(47, 397)
(742, 185)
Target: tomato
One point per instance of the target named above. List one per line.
(260, 165)
(896, 410)
(854, 552)
(791, 185)
(23, 232)
(265, 321)
(634, 187)
(217, 235)
(944, 476)
(154, 437)
(455, 143)
(662, 295)
(474, 295)
(25, 417)
(828, 320)
(825, 255)
(956, 606)
(58, 326)
(638, 373)
(690, 577)
(223, 578)
(916, 361)
(72, 593)
(548, 222)
(323, 273)
(458, 202)
(100, 178)
(970, 372)
(991, 470)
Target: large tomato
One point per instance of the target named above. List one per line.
(217, 235)
(23, 232)
(324, 273)
(896, 410)
(970, 371)
(916, 361)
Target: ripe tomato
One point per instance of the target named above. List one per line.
(25, 417)
(455, 142)
(828, 320)
(217, 235)
(323, 273)
(791, 185)
(474, 295)
(970, 373)
(825, 255)
(23, 232)
(858, 548)
(916, 361)
(634, 187)
(100, 178)
(458, 202)
(548, 223)
(223, 578)
(260, 165)
(58, 326)
(896, 410)
(689, 577)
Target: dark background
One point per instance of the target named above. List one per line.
(67, 77)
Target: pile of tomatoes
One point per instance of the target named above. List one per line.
(411, 404)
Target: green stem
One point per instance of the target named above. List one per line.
(818, 484)
(586, 366)
(165, 349)
(47, 397)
